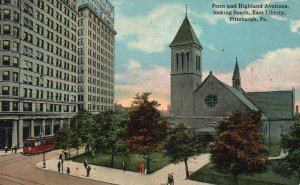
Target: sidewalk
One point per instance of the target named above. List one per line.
(2, 152)
(116, 176)
(281, 156)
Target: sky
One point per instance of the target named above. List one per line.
(268, 52)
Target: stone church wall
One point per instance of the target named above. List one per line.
(227, 101)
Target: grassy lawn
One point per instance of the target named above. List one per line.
(274, 150)
(210, 175)
(158, 161)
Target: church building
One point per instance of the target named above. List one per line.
(201, 103)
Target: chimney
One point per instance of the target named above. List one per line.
(297, 109)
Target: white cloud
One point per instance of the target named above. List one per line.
(138, 80)
(295, 25)
(276, 70)
(154, 31)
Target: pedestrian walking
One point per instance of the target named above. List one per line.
(77, 170)
(66, 155)
(62, 166)
(141, 167)
(172, 179)
(60, 156)
(6, 149)
(58, 166)
(169, 179)
(124, 166)
(68, 170)
(88, 169)
(15, 148)
(85, 164)
(95, 173)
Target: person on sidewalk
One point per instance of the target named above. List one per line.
(124, 166)
(141, 168)
(172, 179)
(62, 166)
(169, 179)
(15, 148)
(88, 169)
(68, 170)
(58, 166)
(6, 149)
(85, 164)
(66, 155)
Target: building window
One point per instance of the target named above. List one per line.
(6, 29)
(5, 76)
(177, 61)
(27, 106)
(6, 60)
(15, 91)
(15, 47)
(39, 107)
(280, 130)
(6, 44)
(15, 106)
(28, 23)
(16, 17)
(5, 106)
(28, 37)
(16, 62)
(28, 9)
(15, 76)
(6, 14)
(7, 1)
(16, 32)
(5, 90)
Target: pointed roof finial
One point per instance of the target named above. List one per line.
(236, 59)
(186, 10)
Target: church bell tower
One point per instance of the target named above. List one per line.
(186, 69)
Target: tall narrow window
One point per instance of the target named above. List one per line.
(177, 60)
(6, 60)
(188, 60)
(199, 62)
(196, 62)
(182, 61)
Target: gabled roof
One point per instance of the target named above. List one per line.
(240, 94)
(275, 104)
(185, 35)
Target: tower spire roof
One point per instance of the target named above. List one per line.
(236, 73)
(185, 34)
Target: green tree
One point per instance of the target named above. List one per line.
(63, 137)
(239, 146)
(110, 129)
(182, 144)
(291, 144)
(146, 128)
(83, 125)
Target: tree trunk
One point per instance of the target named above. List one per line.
(148, 164)
(112, 159)
(235, 179)
(187, 174)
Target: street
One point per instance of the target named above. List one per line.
(19, 169)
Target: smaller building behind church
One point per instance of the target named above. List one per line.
(201, 104)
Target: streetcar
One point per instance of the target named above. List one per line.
(38, 145)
